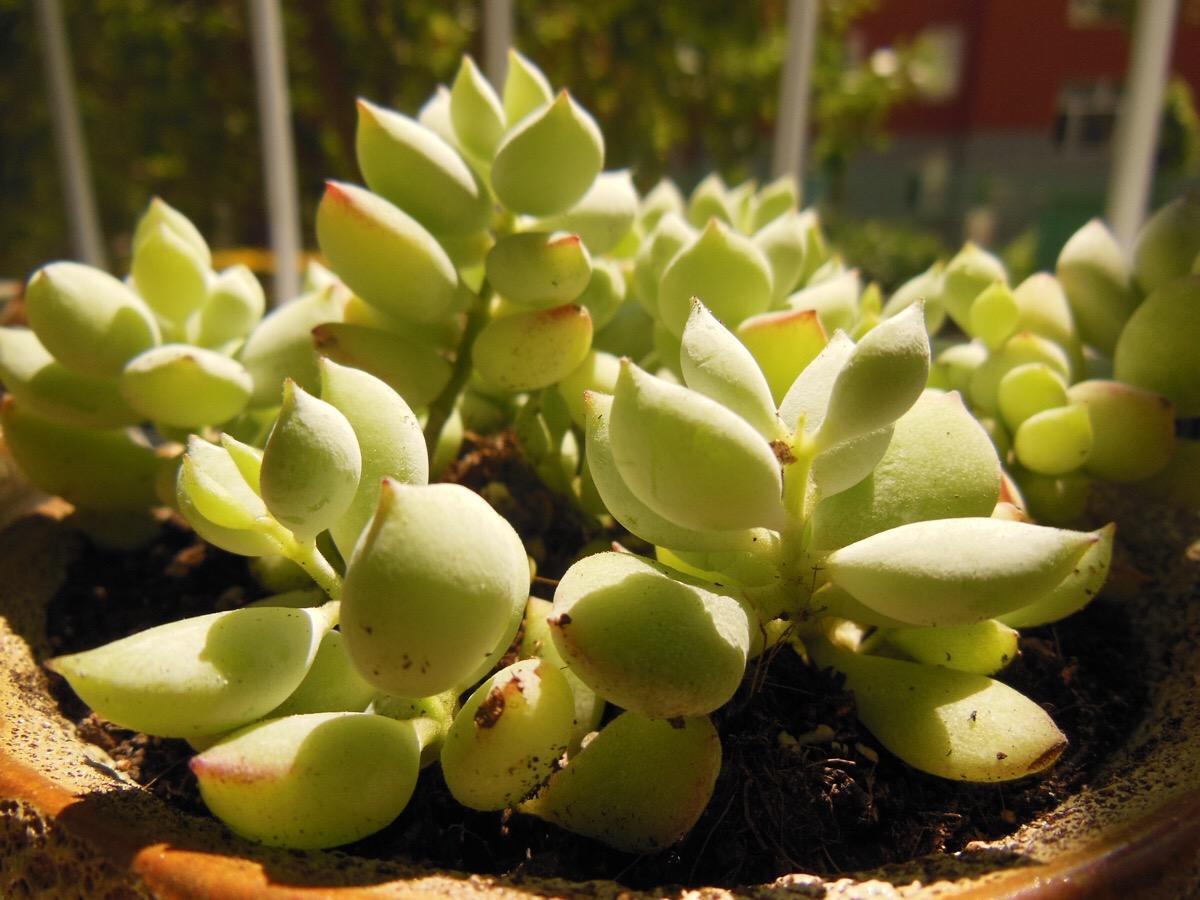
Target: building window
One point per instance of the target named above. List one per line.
(1099, 13)
(1085, 117)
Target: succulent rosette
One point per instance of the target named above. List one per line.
(471, 259)
(313, 691)
(859, 509)
(108, 366)
(1079, 376)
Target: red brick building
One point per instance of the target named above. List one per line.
(1023, 134)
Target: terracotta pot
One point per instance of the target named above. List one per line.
(71, 827)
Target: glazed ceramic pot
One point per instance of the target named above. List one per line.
(72, 826)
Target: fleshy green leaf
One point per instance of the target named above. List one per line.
(1168, 244)
(636, 808)
(993, 315)
(412, 167)
(784, 242)
(475, 111)
(952, 724)
(313, 781)
(431, 588)
(92, 468)
(882, 378)
(1054, 441)
(311, 464)
(547, 162)
(983, 382)
(646, 641)
(332, 684)
(388, 436)
(1133, 431)
(525, 88)
(160, 214)
(775, 199)
(48, 388)
(234, 305)
(1029, 389)
(1075, 591)
(605, 292)
(539, 269)
(664, 197)
(384, 255)
(725, 270)
(604, 215)
(710, 200)
(1095, 276)
(690, 459)
(91, 322)
(170, 274)
(928, 287)
(185, 386)
(281, 346)
(536, 641)
(996, 566)
(508, 736)
(530, 350)
(847, 463)
(628, 509)
(414, 368)
(808, 396)
(1158, 351)
(198, 676)
(983, 648)
(1043, 309)
(215, 485)
(835, 300)
(718, 365)
(965, 277)
(783, 344)
(939, 464)
(669, 236)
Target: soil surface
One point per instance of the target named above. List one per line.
(803, 787)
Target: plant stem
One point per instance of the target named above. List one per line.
(795, 478)
(309, 558)
(443, 404)
(332, 610)
(306, 555)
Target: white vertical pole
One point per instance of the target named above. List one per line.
(498, 30)
(86, 237)
(791, 130)
(1132, 173)
(279, 162)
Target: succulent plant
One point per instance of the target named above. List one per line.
(859, 509)
(808, 478)
(433, 591)
(1080, 376)
(103, 360)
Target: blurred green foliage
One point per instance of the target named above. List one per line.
(166, 92)
(1179, 144)
(889, 252)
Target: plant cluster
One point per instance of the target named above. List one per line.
(707, 373)
(1079, 376)
(102, 355)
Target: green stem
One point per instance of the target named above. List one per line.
(306, 555)
(795, 478)
(333, 611)
(443, 404)
(309, 558)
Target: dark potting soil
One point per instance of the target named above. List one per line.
(803, 786)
